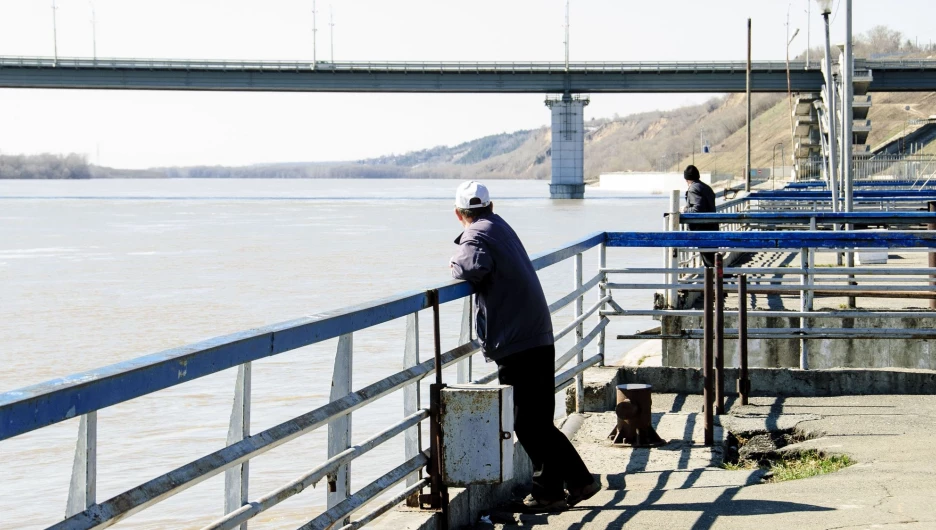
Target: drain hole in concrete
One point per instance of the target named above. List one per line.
(764, 450)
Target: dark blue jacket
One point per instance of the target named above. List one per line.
(510, 308)
(700, 199)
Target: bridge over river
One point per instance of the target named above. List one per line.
(569, 80)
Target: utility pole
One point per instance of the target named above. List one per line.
(93, 31)
(747, 167)
(789, 91)
(314, 35)
(54, 36)
(567, 37)
(331, 33)
(808, 22)
(830, 110)
(848, 70)
(848, 98)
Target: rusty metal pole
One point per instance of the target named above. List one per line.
(438, 491)
(747, 166)
(707, 343)
(931, 206)
(744, 381)
(719, 334)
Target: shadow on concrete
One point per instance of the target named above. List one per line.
(709, 512)
(678, 403)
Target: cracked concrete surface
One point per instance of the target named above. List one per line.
(891, 484)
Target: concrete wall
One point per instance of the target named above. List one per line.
(646, 182)
(789, 383)
(568, 149)
(825, 353)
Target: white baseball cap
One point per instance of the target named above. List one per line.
(471, 190)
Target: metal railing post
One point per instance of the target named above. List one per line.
(82, 490)
(744, 381)
(236, 479)
(464, 366)
(439, 497)
(602, 292)
(804, 303)
(931, 206)
(339, 430)
(708, 394)
(673, 301)
(579, 335)
(411, 397)
(667, 276)
(719, 335)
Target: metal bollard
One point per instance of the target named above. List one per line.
(719, 335)
(744, 381)
(707, 325)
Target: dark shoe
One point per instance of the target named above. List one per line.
(533, 505)
(583, 494)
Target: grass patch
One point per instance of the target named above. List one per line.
(743, 465)
(807, 464)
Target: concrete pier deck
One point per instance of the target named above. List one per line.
(680, 485)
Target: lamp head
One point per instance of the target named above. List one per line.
(825, 7)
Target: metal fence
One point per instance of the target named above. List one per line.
(914, 169)
(865, 282)
(84, 394)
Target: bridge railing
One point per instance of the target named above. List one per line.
(84, 394)
(401, 66)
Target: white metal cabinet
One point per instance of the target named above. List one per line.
(477, 434)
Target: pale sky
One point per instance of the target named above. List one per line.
(135, 129)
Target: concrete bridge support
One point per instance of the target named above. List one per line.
(568, 147)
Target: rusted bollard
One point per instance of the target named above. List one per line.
(719, 335)
(744, 382)
(635, 421)
(708, 394)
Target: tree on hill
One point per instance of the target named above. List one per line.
(44, 166)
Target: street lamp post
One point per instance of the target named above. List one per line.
(93, 31)
(904, 135)
(314, 37)
(54, 36)
(773, 171)
(825, 7)
(789, 40)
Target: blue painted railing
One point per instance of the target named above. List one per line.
(82, 395)
(805, 217)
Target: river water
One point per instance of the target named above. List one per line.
(101, 271)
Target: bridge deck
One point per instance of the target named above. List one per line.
(467, 76)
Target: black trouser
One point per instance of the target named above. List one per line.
(708, 258)
(555, 460)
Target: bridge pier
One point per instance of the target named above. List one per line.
(568, 147)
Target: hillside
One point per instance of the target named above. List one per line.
(648, 141)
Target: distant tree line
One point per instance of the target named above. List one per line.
(44, 166)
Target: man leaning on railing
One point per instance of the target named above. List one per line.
(515, 328)
(700, 199)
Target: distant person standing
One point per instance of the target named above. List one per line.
(700, 199)
(515, 328)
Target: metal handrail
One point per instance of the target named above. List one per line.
(83, 394)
